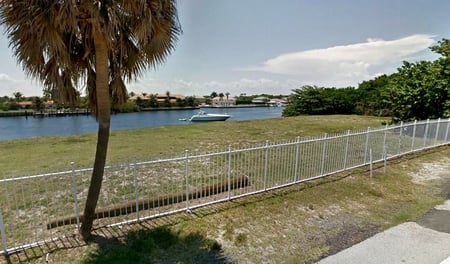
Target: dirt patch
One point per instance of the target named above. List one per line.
(350, 232)
(431, 171)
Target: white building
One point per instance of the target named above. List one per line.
(223, 101)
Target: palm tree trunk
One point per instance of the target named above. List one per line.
(103, 115)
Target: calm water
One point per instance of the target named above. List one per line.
(21, 127)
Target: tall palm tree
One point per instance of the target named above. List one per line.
(98, 43)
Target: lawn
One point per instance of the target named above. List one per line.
(55, 153)
(299, 224)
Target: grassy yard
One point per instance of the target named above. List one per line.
(299, 224)
(49, 154)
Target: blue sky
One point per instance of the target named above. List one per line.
(274, 46)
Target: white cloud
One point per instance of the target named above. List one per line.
(346, 65)
(10, 85)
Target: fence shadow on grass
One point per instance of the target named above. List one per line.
(157, 245)
(146, 244)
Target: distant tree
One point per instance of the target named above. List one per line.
(153, 100)
(313, 100)
(180, 102)
(214, 94)
(167, 102)
(18, 96)
(221, 95)
(190, 101)
(38, 104)
(371, 94)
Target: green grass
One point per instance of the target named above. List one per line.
(54, 153)
(298, 221)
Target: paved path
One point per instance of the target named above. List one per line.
(425, 241)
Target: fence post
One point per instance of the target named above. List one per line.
(425, 134)
(400, 138)
(2, 233)
(437, 131)
(297, 153)
(136, 188)
(414, 135)
(266, 164)
(229, 172)
(346, 149)
(446, 132)
(385, 148)
(324, 149)
(367, 145)
(187, 178)
(75, 195)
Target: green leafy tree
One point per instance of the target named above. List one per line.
(370, 96)
(38, 104)
(99, 43)
(313, 100)
(421, 90)
(190, 101)
(153, 100)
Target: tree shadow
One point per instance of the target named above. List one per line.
(156, 245)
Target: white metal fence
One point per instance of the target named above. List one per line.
(40, 208)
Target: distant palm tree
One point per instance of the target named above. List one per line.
(101, 44)
(18, 96)
(167, 100)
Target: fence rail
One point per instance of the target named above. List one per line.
(40, 208)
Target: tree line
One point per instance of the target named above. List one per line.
(417, 91)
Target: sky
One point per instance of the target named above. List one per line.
(274, 46)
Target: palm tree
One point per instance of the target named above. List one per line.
(167, 100)
(101, 44)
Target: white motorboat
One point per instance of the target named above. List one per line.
(202, 116)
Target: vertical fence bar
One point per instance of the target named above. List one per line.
(3, 233)
(446, 132)
(371, 162)
(187, 178)
(367, 145)
(266, 164)
(437, 132)
(384, 141)
(75, 195)
(385, 159)
(324, 150)
(399, 149)
(346, 148)
(413, 135)
(229, 172)
(425, 134)
(136, 188)
(297, 153)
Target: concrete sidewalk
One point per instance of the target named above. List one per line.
(425, 241)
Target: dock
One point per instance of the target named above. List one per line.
(58, 113)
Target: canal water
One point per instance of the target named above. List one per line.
(21, 127)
